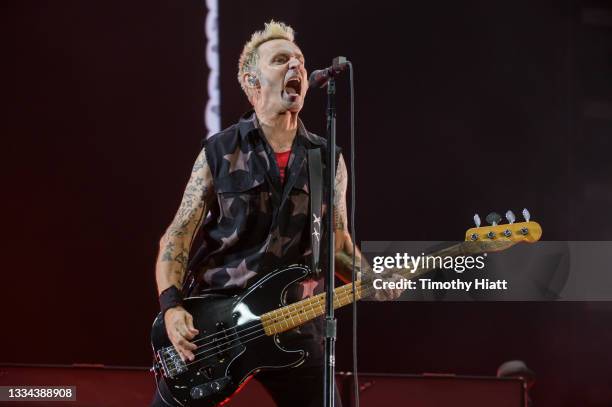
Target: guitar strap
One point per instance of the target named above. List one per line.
(315, 175)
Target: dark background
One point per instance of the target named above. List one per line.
(461, 107)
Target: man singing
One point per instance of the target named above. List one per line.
(249, 187)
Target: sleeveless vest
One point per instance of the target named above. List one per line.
(257, 224)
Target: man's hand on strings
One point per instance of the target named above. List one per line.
(180, 330)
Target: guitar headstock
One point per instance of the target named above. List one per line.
(497, 236)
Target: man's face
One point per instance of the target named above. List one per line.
(282, 78)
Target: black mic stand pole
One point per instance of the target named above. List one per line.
(330, 320)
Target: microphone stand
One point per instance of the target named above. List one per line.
(329, 376)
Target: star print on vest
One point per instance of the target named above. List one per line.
(228, 241)
(239, 275)
(278, 243)
(237, 160)
(300, 206)
(230, 276)
(225, 205)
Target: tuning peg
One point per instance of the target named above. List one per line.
(511, 218)
(526, 215)
(477, 220)
(493, 218)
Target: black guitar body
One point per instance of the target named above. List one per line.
(231, 342)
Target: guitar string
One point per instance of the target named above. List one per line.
(349, 294)
(252, 323)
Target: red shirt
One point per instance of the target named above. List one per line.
(282, 159)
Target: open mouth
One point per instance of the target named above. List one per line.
(293, 87)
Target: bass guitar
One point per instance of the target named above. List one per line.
(239, 334)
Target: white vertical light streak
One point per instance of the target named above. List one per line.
(212, 115)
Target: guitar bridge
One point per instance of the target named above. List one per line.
(170, 363)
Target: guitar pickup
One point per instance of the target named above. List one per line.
(222, 339)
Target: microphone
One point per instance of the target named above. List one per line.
(320, 77)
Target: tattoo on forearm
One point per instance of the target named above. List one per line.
(167, 252)
(200, 162)
(340, 211)
(176, 243)
(182, 258)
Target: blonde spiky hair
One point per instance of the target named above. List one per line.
(274, 30)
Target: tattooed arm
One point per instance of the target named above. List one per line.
(174, 249)
(343, 242)
(176, 242)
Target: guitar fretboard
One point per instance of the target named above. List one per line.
(296, 314)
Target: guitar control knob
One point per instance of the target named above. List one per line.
(196, 393)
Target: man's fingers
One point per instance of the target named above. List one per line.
(189, 355)
(185, 344)
(187, 348)
(181, 345)
(189, 334)
(182, 340)
(183, 331)
(185, 355)
(190, 326)
(186, 332)
(180, 352)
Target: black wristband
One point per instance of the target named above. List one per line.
(170, 298)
